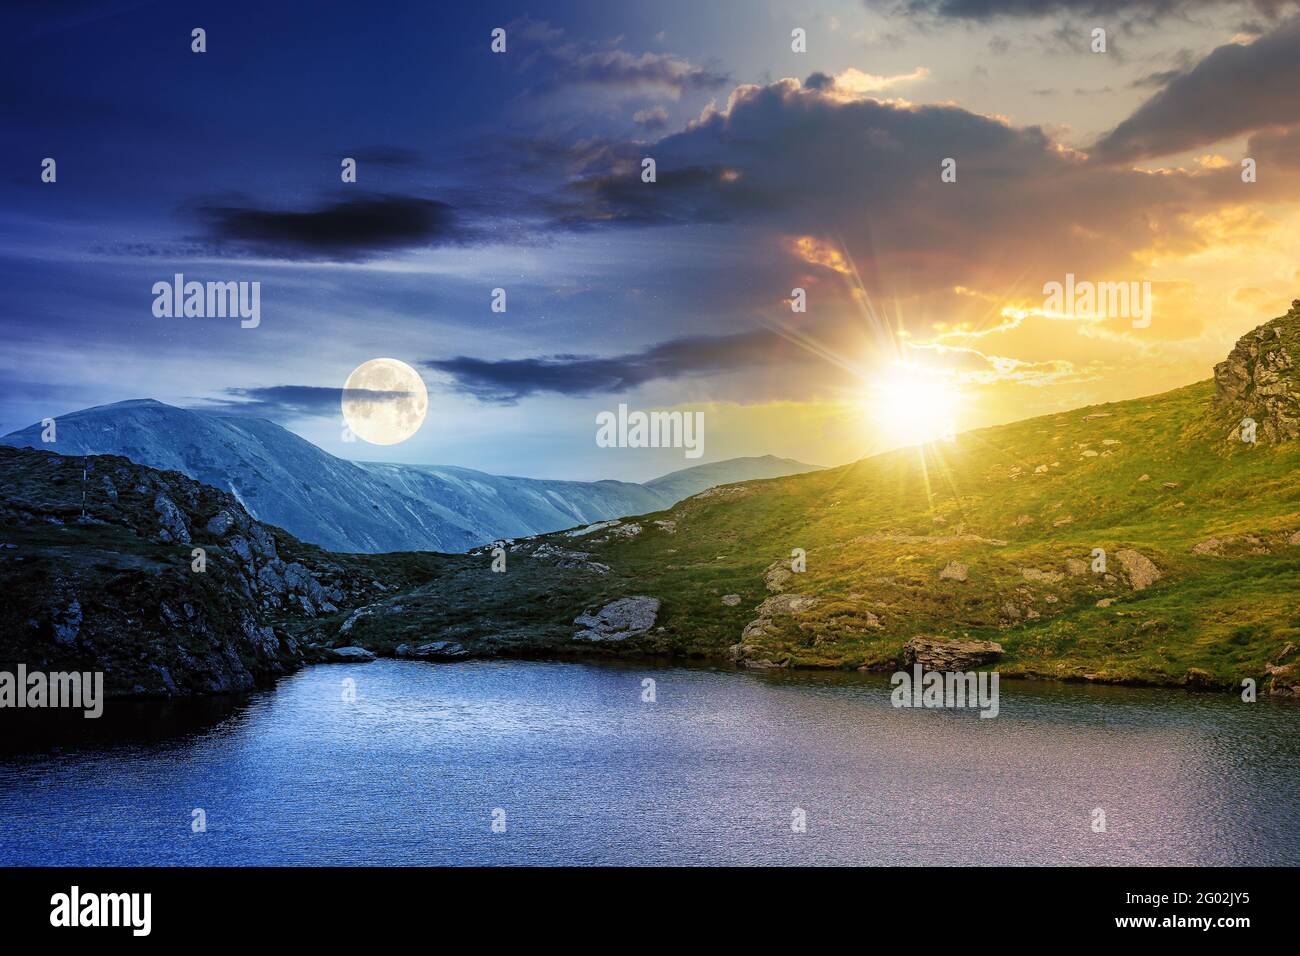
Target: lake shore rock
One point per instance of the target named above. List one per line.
(948, 654)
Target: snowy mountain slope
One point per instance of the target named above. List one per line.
(287, 481)
(494, 506)
(280, 478)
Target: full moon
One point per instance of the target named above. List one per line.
(385, 401)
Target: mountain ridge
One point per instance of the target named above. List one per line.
(352, 506)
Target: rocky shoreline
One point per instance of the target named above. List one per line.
(932, 652)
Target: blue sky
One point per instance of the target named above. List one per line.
(521, 171)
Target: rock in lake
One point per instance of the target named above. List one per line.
(355, 655)
(947, 654)
(439, 651)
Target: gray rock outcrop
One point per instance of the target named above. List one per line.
(618, 620)
(1258, 380)
(1140, 570)
(947, 654)
(356, 655)
(954, 571)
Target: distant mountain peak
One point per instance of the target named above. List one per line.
(689, 481)
(134, 402)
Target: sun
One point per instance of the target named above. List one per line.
(912, 406)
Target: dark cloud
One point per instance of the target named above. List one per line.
(1144, 10)
(1236, 89)
(777, 363)
(291, 401)
(681, 195)
(1157, 80)
(547, 51)
(506, 381)
(349, 230)
(791, 161)
(651, 118)
(1277, 151)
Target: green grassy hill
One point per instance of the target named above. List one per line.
(1201, 534)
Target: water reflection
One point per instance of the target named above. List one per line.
(586, 771)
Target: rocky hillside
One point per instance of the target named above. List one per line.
(1139, 542)
(115, 588)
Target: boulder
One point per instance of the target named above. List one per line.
(1283, 681)
(569, 560)
(439, 651)
(1140, 570)
(1210, 546)
(947, 654)
(68, 624)
(786, 604)
(618, 620)
(355, 655)
(222, 521)
(173, 526)
(778, 575)
(1283, 677)
(955, 571)
(746, 655)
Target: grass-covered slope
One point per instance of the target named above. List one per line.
(990, 536)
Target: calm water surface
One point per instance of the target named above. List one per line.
(411, 772)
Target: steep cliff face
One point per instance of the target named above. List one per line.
(119, 587)
(1260, 380)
